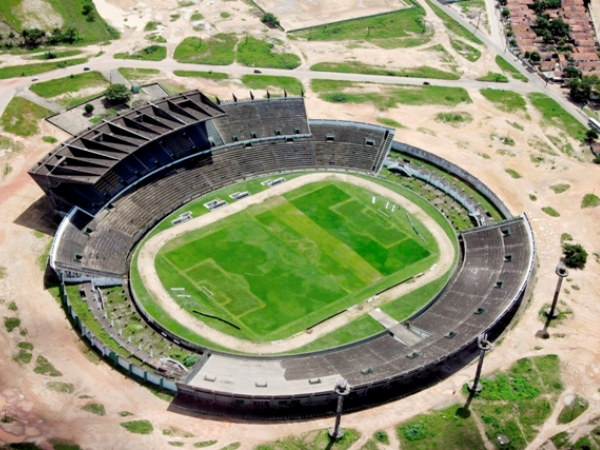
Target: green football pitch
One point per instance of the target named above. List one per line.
(279, 267)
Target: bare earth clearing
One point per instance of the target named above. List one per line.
(43, 414)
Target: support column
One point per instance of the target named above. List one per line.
(341, 389)
(484, 346)
(552, 313)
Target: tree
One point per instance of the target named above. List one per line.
(535, 56)
(571, 72)
(575, 255)
(559, 28)
(270, 20)
(579, 90)
(505, 12)
(89, 108)
(591, 135)
(117, 93)
(32, 37)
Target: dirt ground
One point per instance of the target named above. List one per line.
(41, 414)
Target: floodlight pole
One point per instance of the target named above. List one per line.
(562, 272)
(342, 389)
(484, 346)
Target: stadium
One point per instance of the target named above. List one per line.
(118, 180)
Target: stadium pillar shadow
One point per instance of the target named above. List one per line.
(39, 216)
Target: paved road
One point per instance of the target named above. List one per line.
(9, 88)
(536, 81)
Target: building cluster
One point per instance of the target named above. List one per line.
(578, 49)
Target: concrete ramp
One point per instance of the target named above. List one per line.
(405, 335)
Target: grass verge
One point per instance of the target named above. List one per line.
(452, 24)
(494, 78)
(210, 75)
(509, 68)
(366, 69)
(507, 101)
(72, 83)
(555, 115)
(590, 201)
(405, 28)
(465, 50)
(265, 82)
(253, 52)
(27, 70)
(151, 53)
(218, 50)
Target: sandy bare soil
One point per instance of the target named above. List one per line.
(151, 248)
(42, 414)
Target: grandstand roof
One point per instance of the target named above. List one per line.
(89, 155)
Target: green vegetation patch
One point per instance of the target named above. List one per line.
(510, 69)
(60, 386)
(359, 67)
(555, 115)
(253, 52)
(513, 173)
(11, 323)
(50, 54)
(210, 75)
(452, 24)
(265, 82)
(27, 70)
(389, 122)
(152, 26)
(203, 444)
(44, 367)
(313, 440)
(21, 117)
(81, 15)
(507, 101)
(49, 139)
(389, 96)
(590, 201)
(70, 84)
(444, 429)
(573, 410)
(138, 426)
(218, 50)
(23, 357)
(455, 118)
(494, 77)
(551, 211)
(151, 53)
(95, 408)
(59, 444)
(404, 28)
(382, 436)
(340, 247)
(356, 330)
(465, 50)
(132, 74)
(560, 188)
(515, 403)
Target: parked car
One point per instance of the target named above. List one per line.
(86, 68)
(34, 79)
(426, 83)
(257, 71)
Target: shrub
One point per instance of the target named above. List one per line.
(138, 426)
(575, 255)
(117, 93)
(89, 108)
(270, 20)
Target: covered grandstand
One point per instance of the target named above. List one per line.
(115, 181)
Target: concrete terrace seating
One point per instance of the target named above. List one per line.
(357, 145)
(247, 120)
(382, 361)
